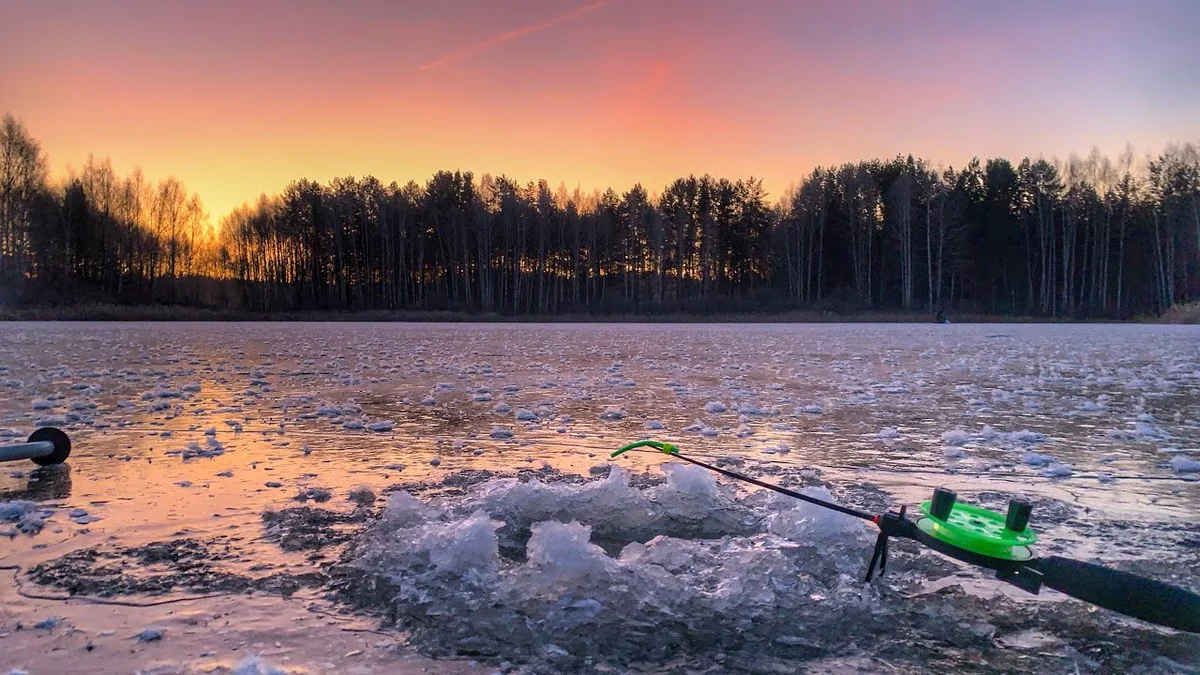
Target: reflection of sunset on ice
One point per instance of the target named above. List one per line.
(358, 470)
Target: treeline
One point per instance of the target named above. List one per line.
(1088, 237)
(97, 235)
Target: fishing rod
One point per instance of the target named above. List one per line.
(1001, 542)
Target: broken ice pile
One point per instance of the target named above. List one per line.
(603, 570)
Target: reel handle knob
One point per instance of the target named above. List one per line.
(942, 503)
(1018, 515)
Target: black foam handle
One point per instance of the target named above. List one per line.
(1130, 594)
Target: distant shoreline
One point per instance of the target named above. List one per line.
(1189, 314)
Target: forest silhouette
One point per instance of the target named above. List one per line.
(1088, 237)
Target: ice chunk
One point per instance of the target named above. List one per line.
(463, 547)
(655, 425)
(777, 449)
(30, 517)
(715, 407)
(697, 426)
(317, 494)
(524, 415)
(1056, 470)
(403, 510)
(256, 665)
(381, 425)
(745, 408)
(150, 635)
(361, 495)
(612, 414)
(805, 523)
(564, 556)
(888, 433)
(956, 437)
(15, 510)
(1027, 436)
(1183, 464)
(1036, 459)
(810, 410)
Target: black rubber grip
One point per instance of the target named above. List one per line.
(1130, 594)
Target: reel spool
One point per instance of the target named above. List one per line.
(976, 534)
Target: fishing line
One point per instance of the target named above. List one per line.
(1001, 542)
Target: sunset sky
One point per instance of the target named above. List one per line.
(240, 97)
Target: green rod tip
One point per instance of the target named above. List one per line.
(665, 447)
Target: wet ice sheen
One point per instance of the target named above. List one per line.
(1117, 398)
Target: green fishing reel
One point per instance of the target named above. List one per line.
(976, 534)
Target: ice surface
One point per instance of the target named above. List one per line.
(834, 387)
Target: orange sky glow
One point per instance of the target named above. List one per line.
(240, 98)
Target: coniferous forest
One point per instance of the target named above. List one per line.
(1087, 237)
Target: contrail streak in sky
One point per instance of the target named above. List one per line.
(521, 32)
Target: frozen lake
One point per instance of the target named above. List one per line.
(185, 434)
